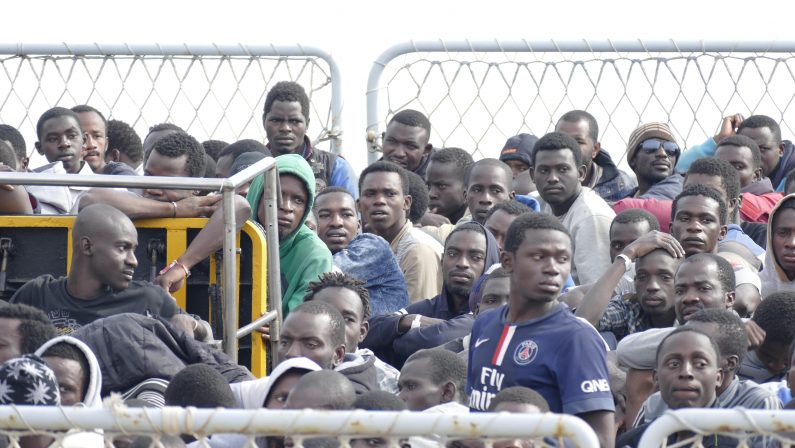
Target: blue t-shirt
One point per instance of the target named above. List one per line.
(558, 355)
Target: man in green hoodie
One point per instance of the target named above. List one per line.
(302, 254)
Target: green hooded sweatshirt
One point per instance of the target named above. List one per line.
(302, 254)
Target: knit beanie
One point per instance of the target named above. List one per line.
(645, 132)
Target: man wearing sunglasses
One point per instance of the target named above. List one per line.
(652, 154)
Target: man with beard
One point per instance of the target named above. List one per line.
(652, 153)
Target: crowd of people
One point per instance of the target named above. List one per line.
(543, 280)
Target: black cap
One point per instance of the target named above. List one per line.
(519, 147)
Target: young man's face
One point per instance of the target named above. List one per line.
(446, 190)
(488, 186)
(696, 224)
(10, 339)
(517, 166)
(96, 140)
(463, 261)
(558, 177)
(112, 255)
(688, 371)
(62, 141)
(654, 282)
(70, 377)
(697, 287)
(405, 145)
(308, 335)
(285, 127)
(770, 149)
(498, 224)
(160, 165)
(383, 203)
(580, 131)
(277, 396)
(293, 207)
(783, 240)
(540, 266)
(653, 166)
(494, 294)
(742, 160)
(349, 304)
(622, 234)
(416, 387)
(337, 222)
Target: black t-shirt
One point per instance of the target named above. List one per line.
(68, 313)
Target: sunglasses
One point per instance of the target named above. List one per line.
(651, 146)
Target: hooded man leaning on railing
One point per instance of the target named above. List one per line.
(176, 154)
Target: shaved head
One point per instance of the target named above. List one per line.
(104, 242)
(98, 221)
(324, 389)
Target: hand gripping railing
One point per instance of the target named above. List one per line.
(228, 188)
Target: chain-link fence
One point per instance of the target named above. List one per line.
(478, 94)
(143, 427)
(211, 91)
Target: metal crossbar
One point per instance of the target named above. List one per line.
(479, 93)
(342, 425)
(227, 188)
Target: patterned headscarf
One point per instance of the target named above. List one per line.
(28, 381)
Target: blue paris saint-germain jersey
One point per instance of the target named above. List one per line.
(559, 356)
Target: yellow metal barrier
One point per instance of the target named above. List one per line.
(176, 241)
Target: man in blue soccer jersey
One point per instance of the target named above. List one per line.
(534, 340)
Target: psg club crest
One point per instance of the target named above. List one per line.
(525, 352)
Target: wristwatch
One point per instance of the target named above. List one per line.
(627, 262)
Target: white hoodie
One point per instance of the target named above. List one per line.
(92, 399)
(252, 394)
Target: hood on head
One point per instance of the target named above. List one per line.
(92, 398)
(773, 277)
(292, 164)
(492, 257)
(255, 393)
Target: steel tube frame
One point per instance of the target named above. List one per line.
(249, 328)
(295, 422)
(711, 421)
(228, 188)
(576, 46)
(272, 197)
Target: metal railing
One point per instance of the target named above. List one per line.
(479, 93)
(228, 188)
(298, 423)
(737, 423)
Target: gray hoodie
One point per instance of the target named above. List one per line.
(92, 398)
